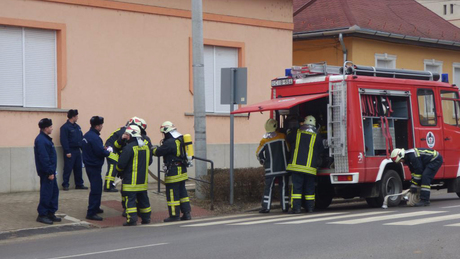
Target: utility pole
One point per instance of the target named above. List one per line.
(199, 105)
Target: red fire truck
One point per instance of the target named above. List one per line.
(363, 113)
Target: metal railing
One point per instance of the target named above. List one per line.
(211, 183)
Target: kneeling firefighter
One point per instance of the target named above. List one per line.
(133, 166)
(423, 163)
(175, 161)
(272, 153)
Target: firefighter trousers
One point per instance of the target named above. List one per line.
(137, 203)
(283, 182)
(177, 197)
(427, 176)
(110, 175)
(303, 190)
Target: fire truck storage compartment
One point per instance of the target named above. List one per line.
(397, 122)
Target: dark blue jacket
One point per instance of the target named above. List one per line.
(71, 136)
(93, 149)
(45, 155)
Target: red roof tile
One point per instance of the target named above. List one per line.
(406, 17)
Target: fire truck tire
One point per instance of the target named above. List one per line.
(323, 201)
(390, 184)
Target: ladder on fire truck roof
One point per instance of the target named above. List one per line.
(323, 69)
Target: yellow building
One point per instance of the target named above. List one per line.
(399, 34)
(125, 58)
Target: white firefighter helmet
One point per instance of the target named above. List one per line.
(167, 126)
(397, 154)
(310, 120)
(134, 131)
(139, 122)
(271, 125)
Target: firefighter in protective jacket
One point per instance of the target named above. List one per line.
(272, 153)
(305, 158)
(115, 141)
(175, 162)
(423, 163)
(133, 166)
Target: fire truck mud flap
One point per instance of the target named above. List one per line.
(389, 184)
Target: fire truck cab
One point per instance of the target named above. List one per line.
(362, 114)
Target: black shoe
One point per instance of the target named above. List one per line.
(294, 211)
(44, 219)
(53, 218)
(111, 190)
(81, 187)
(99, 211)
(422, 203)
(309, 210)
(286, 210)
(264, 211)
(94, 217)
(171, 219)
(65, 188)
(145, 222)
(132, 223)
(186, 216)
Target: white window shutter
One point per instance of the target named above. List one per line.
(225, 57)
(40, 68)
(11, 66)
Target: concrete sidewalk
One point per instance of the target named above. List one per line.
(19, 211)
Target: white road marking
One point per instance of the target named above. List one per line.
(448, 207)
(234, 221)
(287, 218)
(199, 220)
(453, 225)
(109, 251)
(334, 217)
(387, 217)
(424, 220)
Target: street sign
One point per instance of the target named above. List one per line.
(238, 78)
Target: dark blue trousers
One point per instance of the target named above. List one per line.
(95, 180)
(73, 163)
(49, 196)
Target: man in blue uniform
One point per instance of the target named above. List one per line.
(93, 157)
(423, 163)
(174, 159)
(71, 137)
(45, 162)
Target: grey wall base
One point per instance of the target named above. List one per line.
(18, 174)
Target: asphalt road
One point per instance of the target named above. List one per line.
(345, 230)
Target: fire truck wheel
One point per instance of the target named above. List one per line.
(390, 184)
(323, 201)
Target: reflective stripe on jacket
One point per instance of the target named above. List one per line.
(306, 153)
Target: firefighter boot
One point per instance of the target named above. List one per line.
(186, 216)
(294, 211)
(310, 206)
(422, 203)
(171, 219)
(130, 223)
(264, 211)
